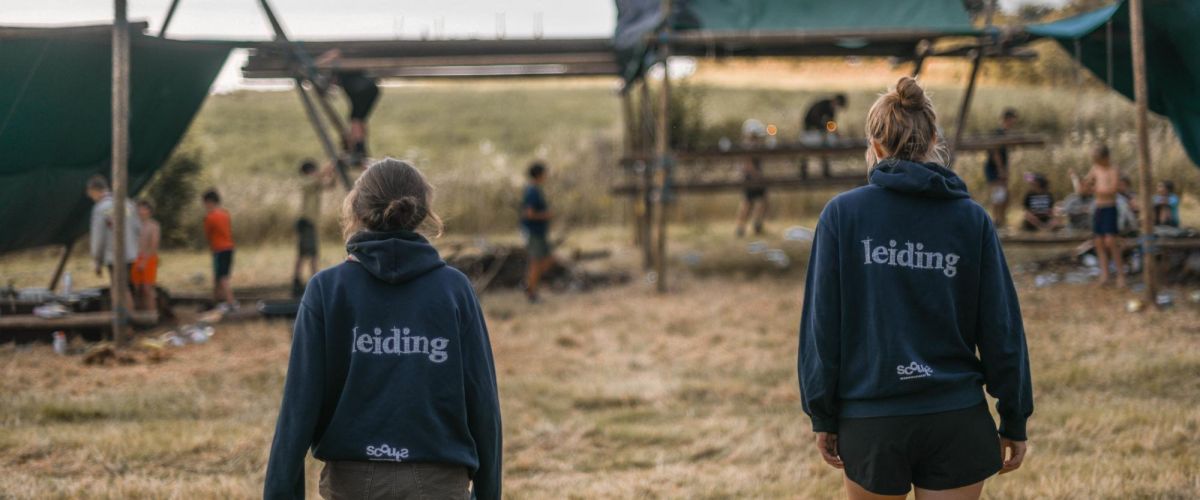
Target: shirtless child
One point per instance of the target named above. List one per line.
(144, 273)
(1105, 177)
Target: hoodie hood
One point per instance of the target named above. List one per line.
(396, 257)
(928, 180)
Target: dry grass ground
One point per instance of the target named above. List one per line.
(619, 393)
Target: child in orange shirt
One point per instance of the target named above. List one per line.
(144, 274)
(219, 231)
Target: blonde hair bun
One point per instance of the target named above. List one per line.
(909, 94)
(903, 123)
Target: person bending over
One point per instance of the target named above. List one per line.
(906, 282)
(362, 91)
(391, 381)
(820, 126)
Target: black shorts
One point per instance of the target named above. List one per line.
(937, 451)
(362, 92)
(222, 263)
(754, 194)
(306, 235)
(1104, 221)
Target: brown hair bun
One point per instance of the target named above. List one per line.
(390, 196)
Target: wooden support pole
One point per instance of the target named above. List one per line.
(646, 193)
(964, 108)
(120, 160)
(628, 144)
(918, 65)
(323, 135)
(1141, 92)
(1108, 46)
(332, 115)
(162, 32)
(662, 146)
(62, 264)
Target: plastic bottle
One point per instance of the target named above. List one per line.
(60, 343)
(67, 283)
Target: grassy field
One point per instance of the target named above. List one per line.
(619, 393)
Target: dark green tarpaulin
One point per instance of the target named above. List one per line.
(55, 122)
(637, 18)
(1172, 57)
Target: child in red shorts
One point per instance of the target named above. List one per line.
(144, 273)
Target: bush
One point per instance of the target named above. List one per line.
(173, 192)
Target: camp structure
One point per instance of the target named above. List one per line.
(55, 125)
(1148, 51)
(50, 149)
(58, 119)
(1100, 41)
(650, 32)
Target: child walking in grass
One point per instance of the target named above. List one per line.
(906, 282)
(391, 381)
(535, 224)
(218, 229)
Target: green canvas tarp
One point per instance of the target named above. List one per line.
(56, 125)
(1172, 57)
(638, 18)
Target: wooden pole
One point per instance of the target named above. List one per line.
(120, 159)
(662, 147)
(162, 32)
(628, 145)
(331, 114)
(646, 193)
(964, 108)
(1141, 92)
(976, 61)
(323, 135)
(1108, 45)
(62, 264)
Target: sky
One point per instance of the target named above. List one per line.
(345, 19)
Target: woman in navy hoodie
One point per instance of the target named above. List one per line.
(391, 381)
(906, 284)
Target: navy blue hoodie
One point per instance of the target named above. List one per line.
(390, 361)
(909, 307)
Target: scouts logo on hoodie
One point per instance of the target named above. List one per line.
(911, 256)
(913, 370)
(387, 453)
(399, 342)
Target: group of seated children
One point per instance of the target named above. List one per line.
(1078, 210)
